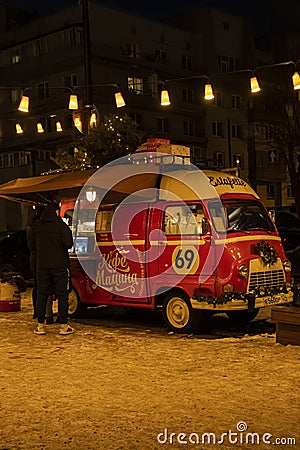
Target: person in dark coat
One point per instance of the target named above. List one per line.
(32, 259)
(50, 238)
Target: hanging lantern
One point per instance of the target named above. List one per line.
(119, 100)
(296, 81)
(73, 102)
(164, 98)
(58, 127)
(24, 104)
(19, 129)
(208, 92)
(77, 121)
(39, 128)
(254, 85)
(93, 120)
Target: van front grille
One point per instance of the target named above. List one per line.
(270, 278)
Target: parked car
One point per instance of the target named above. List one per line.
(288, 225)
(15, 254)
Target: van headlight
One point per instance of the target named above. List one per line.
(287, 266)
(243, 271)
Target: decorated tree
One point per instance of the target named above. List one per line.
(116, 136)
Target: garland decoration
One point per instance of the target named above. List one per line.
(246, 297)
(267, 253)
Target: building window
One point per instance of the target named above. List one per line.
(219, 159)
(133, 50)
(289, 191)
(135, 85)
(270, 190)
(187, 95)
(43, 90)
(71, 80)
(186, 62)
(188, 128)
(161, 56)
(236, 131)
(163, 125)
(269, 132)
(16, 95)
(15, 59)
(225, 26)
(218, 98)
(44, 155)
(136, 117)
(217, 129)
(236, 101)
(227, 63)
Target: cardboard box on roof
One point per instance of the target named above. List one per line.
(172, 149)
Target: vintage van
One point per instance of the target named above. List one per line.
(187, 242)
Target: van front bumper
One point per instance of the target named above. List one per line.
(249, 302)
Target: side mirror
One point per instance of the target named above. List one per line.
(205, 226)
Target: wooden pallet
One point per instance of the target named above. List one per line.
(287, 319)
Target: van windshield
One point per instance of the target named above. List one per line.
(240, 215)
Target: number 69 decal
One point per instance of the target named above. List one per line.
(185, 259)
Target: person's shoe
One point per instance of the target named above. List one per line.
(40, 329)
(57, 319)
(49, 320)
(66, 329)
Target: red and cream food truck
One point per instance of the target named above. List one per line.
(188, 242)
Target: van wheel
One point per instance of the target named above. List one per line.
(178, 313)
(242, 316)
(6, 268)
(76, 307)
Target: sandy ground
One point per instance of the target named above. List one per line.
(118, 383)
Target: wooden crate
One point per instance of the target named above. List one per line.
(287, 319)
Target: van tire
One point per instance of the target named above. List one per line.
(178, 313)
(76, 307)
(242, 316)
(6, 268)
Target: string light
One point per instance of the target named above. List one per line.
(73, 102)
(119, 100)
(24, 104)
(19, 129)
(39, 128)
(58, 127)
(254, 85)
(208, 92)
(296, 81)
(164, 98)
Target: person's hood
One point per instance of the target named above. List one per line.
(49, 214)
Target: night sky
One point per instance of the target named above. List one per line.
(284, 13)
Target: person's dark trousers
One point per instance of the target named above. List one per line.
(34, 295)
(47, 281)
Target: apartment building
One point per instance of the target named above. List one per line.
(46, 58)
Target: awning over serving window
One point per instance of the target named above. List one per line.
(118, 181)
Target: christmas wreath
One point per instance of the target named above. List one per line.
(267, 253)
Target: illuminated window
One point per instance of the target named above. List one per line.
(135, 85)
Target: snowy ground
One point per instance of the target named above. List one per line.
(119, 382)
